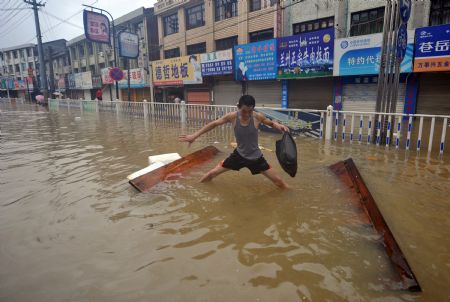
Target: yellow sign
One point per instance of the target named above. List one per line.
(178, 71)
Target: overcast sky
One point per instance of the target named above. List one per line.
(17, 26)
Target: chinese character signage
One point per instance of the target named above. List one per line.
(106, 78)
(82, 80)
(255, 61)
(432, 48)
(362, 55)
(217, 63)
(137, 79)
(128, 45)
(306, 55)
(177, 71)
(96, 27)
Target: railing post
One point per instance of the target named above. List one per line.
(329, 123)
(117, 107)
(430, 139)
(183, 112)
(145, 103)
(152, 108)
(444, 131)
(96, 107)
(321, 124)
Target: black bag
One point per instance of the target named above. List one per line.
(286, 151)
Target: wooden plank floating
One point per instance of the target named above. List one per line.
(349, 174)
(144, 182)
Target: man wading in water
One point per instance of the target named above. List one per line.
(247, 153)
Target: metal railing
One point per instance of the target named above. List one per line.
(391, 130)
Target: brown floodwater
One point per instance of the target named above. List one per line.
(73, 229)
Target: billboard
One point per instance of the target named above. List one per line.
(217, 63)
(128, 45)
(306, 55)
(96, 27)
(178, 71)
(432, 49)
(361, 55)
(255, 61)
(137, 79)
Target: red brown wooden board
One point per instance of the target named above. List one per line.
(349, 174)
(144, 182)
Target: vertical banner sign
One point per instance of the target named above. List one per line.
(306, 55)
(96, 27)
(128, 45)
(411, 94)
(284, 94)
(255, 61)
(432, 49)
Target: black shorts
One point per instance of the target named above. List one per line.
(235, 162)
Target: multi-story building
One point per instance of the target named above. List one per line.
(19, 66)
(57, 65)
(196, 27)
(189, 27)
(90, 60)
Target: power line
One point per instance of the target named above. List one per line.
(10, 17)
(68, 18)
(62, 20)
(7, 31)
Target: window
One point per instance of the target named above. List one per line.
(170, 24)
(15, 54)
(28, 52)
(261, 35)
(225, 9)
(226, 43)
(172, 53)
(90, 48)
(81, 50)
(17, 67)
(73, 53)
(367, 22)
(196, 48)
(440, 12)
(255, 5)
(313, 25)
(195, 16)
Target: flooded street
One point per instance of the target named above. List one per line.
(73, 229)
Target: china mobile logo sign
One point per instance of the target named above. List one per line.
(425, 34)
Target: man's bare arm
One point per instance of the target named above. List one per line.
(228, 118)
(266, 121)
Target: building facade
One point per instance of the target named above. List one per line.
(91, 61)
(189, 28)
(19, 66)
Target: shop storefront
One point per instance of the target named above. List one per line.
(180, 78)
(357, 64)
(432, 61)
(255, 65)
(305, 61)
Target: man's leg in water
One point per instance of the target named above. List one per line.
(214, 172)
(275, 178)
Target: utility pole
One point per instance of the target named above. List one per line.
(40, 49)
